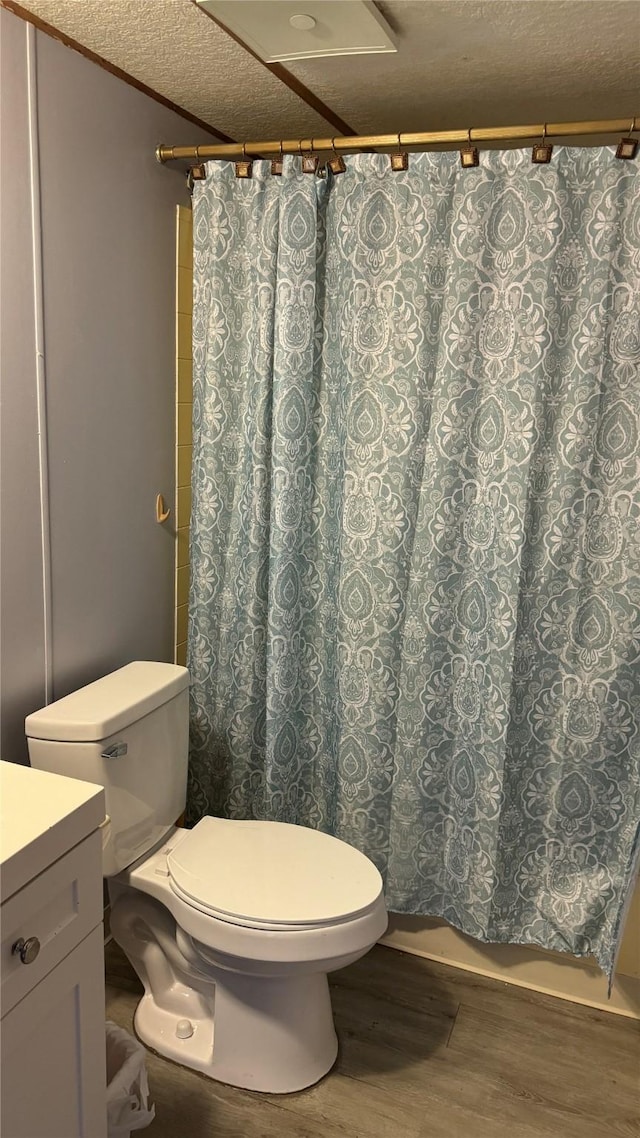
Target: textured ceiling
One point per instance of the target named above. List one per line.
(485, 64)
(459, 63)
(178, 51)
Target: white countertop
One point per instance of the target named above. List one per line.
(42, 816)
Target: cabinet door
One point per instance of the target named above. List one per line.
(53, 1052)
(60, 907)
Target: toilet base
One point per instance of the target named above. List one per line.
(273, 1035)
(262, 1033)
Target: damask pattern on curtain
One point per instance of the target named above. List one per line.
(415, 592)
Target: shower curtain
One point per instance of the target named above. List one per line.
(415, 592)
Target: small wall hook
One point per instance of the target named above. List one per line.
(161, 513)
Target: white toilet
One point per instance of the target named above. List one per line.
(232, 927)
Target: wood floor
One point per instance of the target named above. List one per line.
(426, 1051)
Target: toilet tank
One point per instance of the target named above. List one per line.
(127, 732)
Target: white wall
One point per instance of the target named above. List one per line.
(21, 618)
(108, 244)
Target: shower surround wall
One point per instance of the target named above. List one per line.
(108, 257)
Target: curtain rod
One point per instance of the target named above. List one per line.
(373, 141)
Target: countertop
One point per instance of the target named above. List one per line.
(42, 816)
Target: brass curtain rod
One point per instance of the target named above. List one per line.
(374, 141)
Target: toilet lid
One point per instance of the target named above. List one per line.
(272, 873)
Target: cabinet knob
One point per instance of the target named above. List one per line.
(27, 949)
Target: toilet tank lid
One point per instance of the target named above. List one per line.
(110, 704)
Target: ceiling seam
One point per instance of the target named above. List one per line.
(112, 68)
(286, 77)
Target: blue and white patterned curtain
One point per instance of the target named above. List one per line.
(415, 592)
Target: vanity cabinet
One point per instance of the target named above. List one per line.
(52, 1030)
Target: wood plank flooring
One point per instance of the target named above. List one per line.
(426, 1051)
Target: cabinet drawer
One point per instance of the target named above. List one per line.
(59, 907)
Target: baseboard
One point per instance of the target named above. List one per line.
(550, 973)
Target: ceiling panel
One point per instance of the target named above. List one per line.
(178, 51)
(278, 30)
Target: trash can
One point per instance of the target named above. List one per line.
(127, 1086)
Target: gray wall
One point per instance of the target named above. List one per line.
(108, 238)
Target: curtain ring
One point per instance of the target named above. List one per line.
(277, 164)
(337, 163)
(469, 154)
(309, 160)
(628, 147)
(399, 160)
(542, 151)
(244, 167)
(196, 173)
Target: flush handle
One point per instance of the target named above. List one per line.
(115, 751)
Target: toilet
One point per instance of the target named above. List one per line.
(232, 926)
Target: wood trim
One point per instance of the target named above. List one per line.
(280, 72)
(316, 104)
(62, 37)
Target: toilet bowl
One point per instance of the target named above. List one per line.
(229, 990)
(232, 926)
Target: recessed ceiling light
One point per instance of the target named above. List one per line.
(304, 29)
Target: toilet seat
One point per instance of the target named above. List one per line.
(271, 875)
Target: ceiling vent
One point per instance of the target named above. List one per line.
(281, 30)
